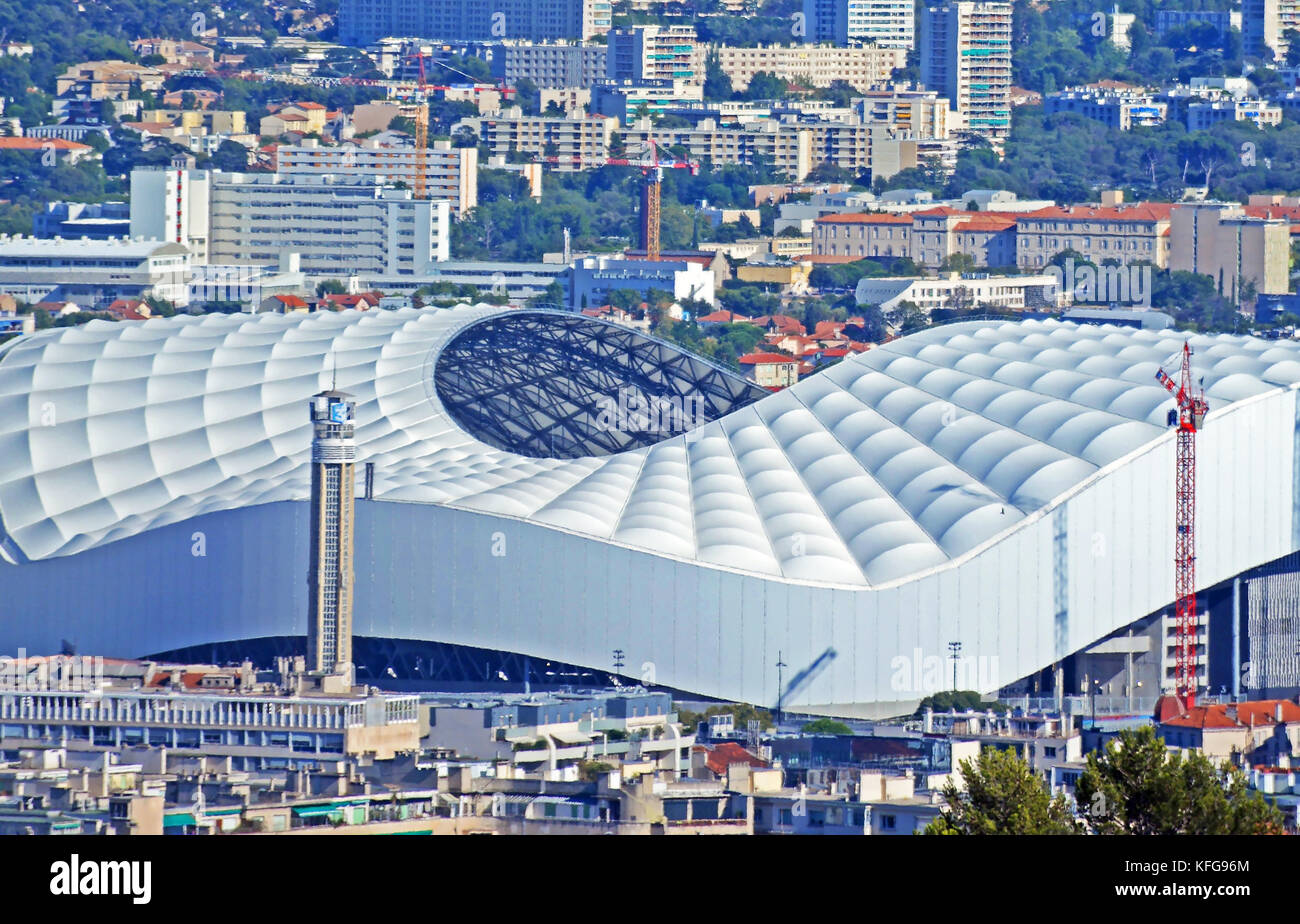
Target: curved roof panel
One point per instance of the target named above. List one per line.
(890, 464)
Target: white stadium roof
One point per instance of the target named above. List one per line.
(913, 462)
(891, 463)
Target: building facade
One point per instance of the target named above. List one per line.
(550, 65)
(1117, 109)
(811, 65)
(965, 50)
(644, 53)
(450, 173)
(364, 21)
(93, 273)
(1232, 248)
(884, 23)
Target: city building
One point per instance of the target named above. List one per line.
(1264, 24)
(172, 204)
(772, 371)
(339, 225)
(955, 291)
(862, 235)
(1233, 248)
(642, 54)
(626, 102)
(104, 80)
(917, 113)
(884, 23)
(1202, 114)
(247, 719)
(788, 148)
(95, 220)
(450, 173)
(575, 143)
(965, 51)
(1221, 21)
(1117, 109)
(594, 278)
(364, 21)
(93, 273)
(550, 65)
(517, 281)
(1133, 233)
(810, 65)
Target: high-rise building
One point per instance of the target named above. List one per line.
(653, 53)
(1264, 25)
(966, 56)
(887, 23)
(364, 21)
(333, 508)
(171, 204)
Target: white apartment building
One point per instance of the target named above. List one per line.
(812, 65)
(964, 292)
(920, 113)
(93, 273)
(339, 225)
(885, 23)
(171, 204)
(450, 173)
(966, 57)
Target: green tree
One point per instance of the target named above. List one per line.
(331, 287)
(1135, 785)
(826, 727)
(1001, 795)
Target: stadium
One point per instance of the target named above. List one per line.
(538, 488)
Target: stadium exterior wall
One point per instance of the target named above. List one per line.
(431, 572)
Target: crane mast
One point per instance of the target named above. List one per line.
(1187, 417)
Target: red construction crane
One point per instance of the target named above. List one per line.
(1188, 417)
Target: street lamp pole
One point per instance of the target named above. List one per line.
(954, 648)
(780, 664)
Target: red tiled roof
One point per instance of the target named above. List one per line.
(986, 223)
(863, 218)
(1139, 211)
(836, 353)
(724, 755)
(290, 301)
(37, 144)
(1259, 712)
(765, 359)
(725, 317)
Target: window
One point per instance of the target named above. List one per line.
(888, 822)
